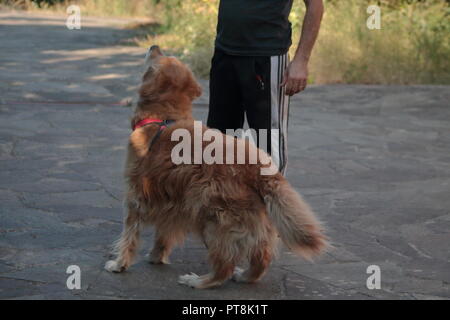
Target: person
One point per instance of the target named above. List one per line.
(251, 74)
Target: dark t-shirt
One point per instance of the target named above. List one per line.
(254, 27)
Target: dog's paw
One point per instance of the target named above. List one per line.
(190, 280)
(238, 275)
(157, 260)
(113, 266)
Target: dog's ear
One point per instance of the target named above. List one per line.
(194, 89)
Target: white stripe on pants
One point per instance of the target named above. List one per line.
(279, 112)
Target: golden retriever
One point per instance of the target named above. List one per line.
(233, 208)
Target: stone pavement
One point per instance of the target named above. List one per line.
(373, 161)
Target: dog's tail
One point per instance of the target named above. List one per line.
(297, 225)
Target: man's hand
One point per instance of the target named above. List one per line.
(296, 74)
(295, 77)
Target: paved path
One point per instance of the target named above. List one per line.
(373, 161)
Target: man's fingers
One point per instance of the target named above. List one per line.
(303, 84)
(289, 88)
(292, 87)
(298, 86)
(295, 86)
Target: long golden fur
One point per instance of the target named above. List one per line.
(235, 210)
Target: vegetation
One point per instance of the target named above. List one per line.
(412, 46)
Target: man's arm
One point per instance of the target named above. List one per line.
(296, 76)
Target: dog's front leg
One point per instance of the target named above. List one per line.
(126, 247)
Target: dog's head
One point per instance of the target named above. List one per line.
(166, 79)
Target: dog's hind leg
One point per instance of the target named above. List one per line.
(126, 247)
(259, 263)
(224, 253)
(163, 246)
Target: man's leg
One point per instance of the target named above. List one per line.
(265, 102)
(225, 102)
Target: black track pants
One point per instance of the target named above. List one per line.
(243, 85)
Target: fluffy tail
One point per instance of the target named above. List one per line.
(297, 225)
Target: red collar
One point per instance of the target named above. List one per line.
(147, 121)
(161, 123)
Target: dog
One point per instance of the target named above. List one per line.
(236, 211)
